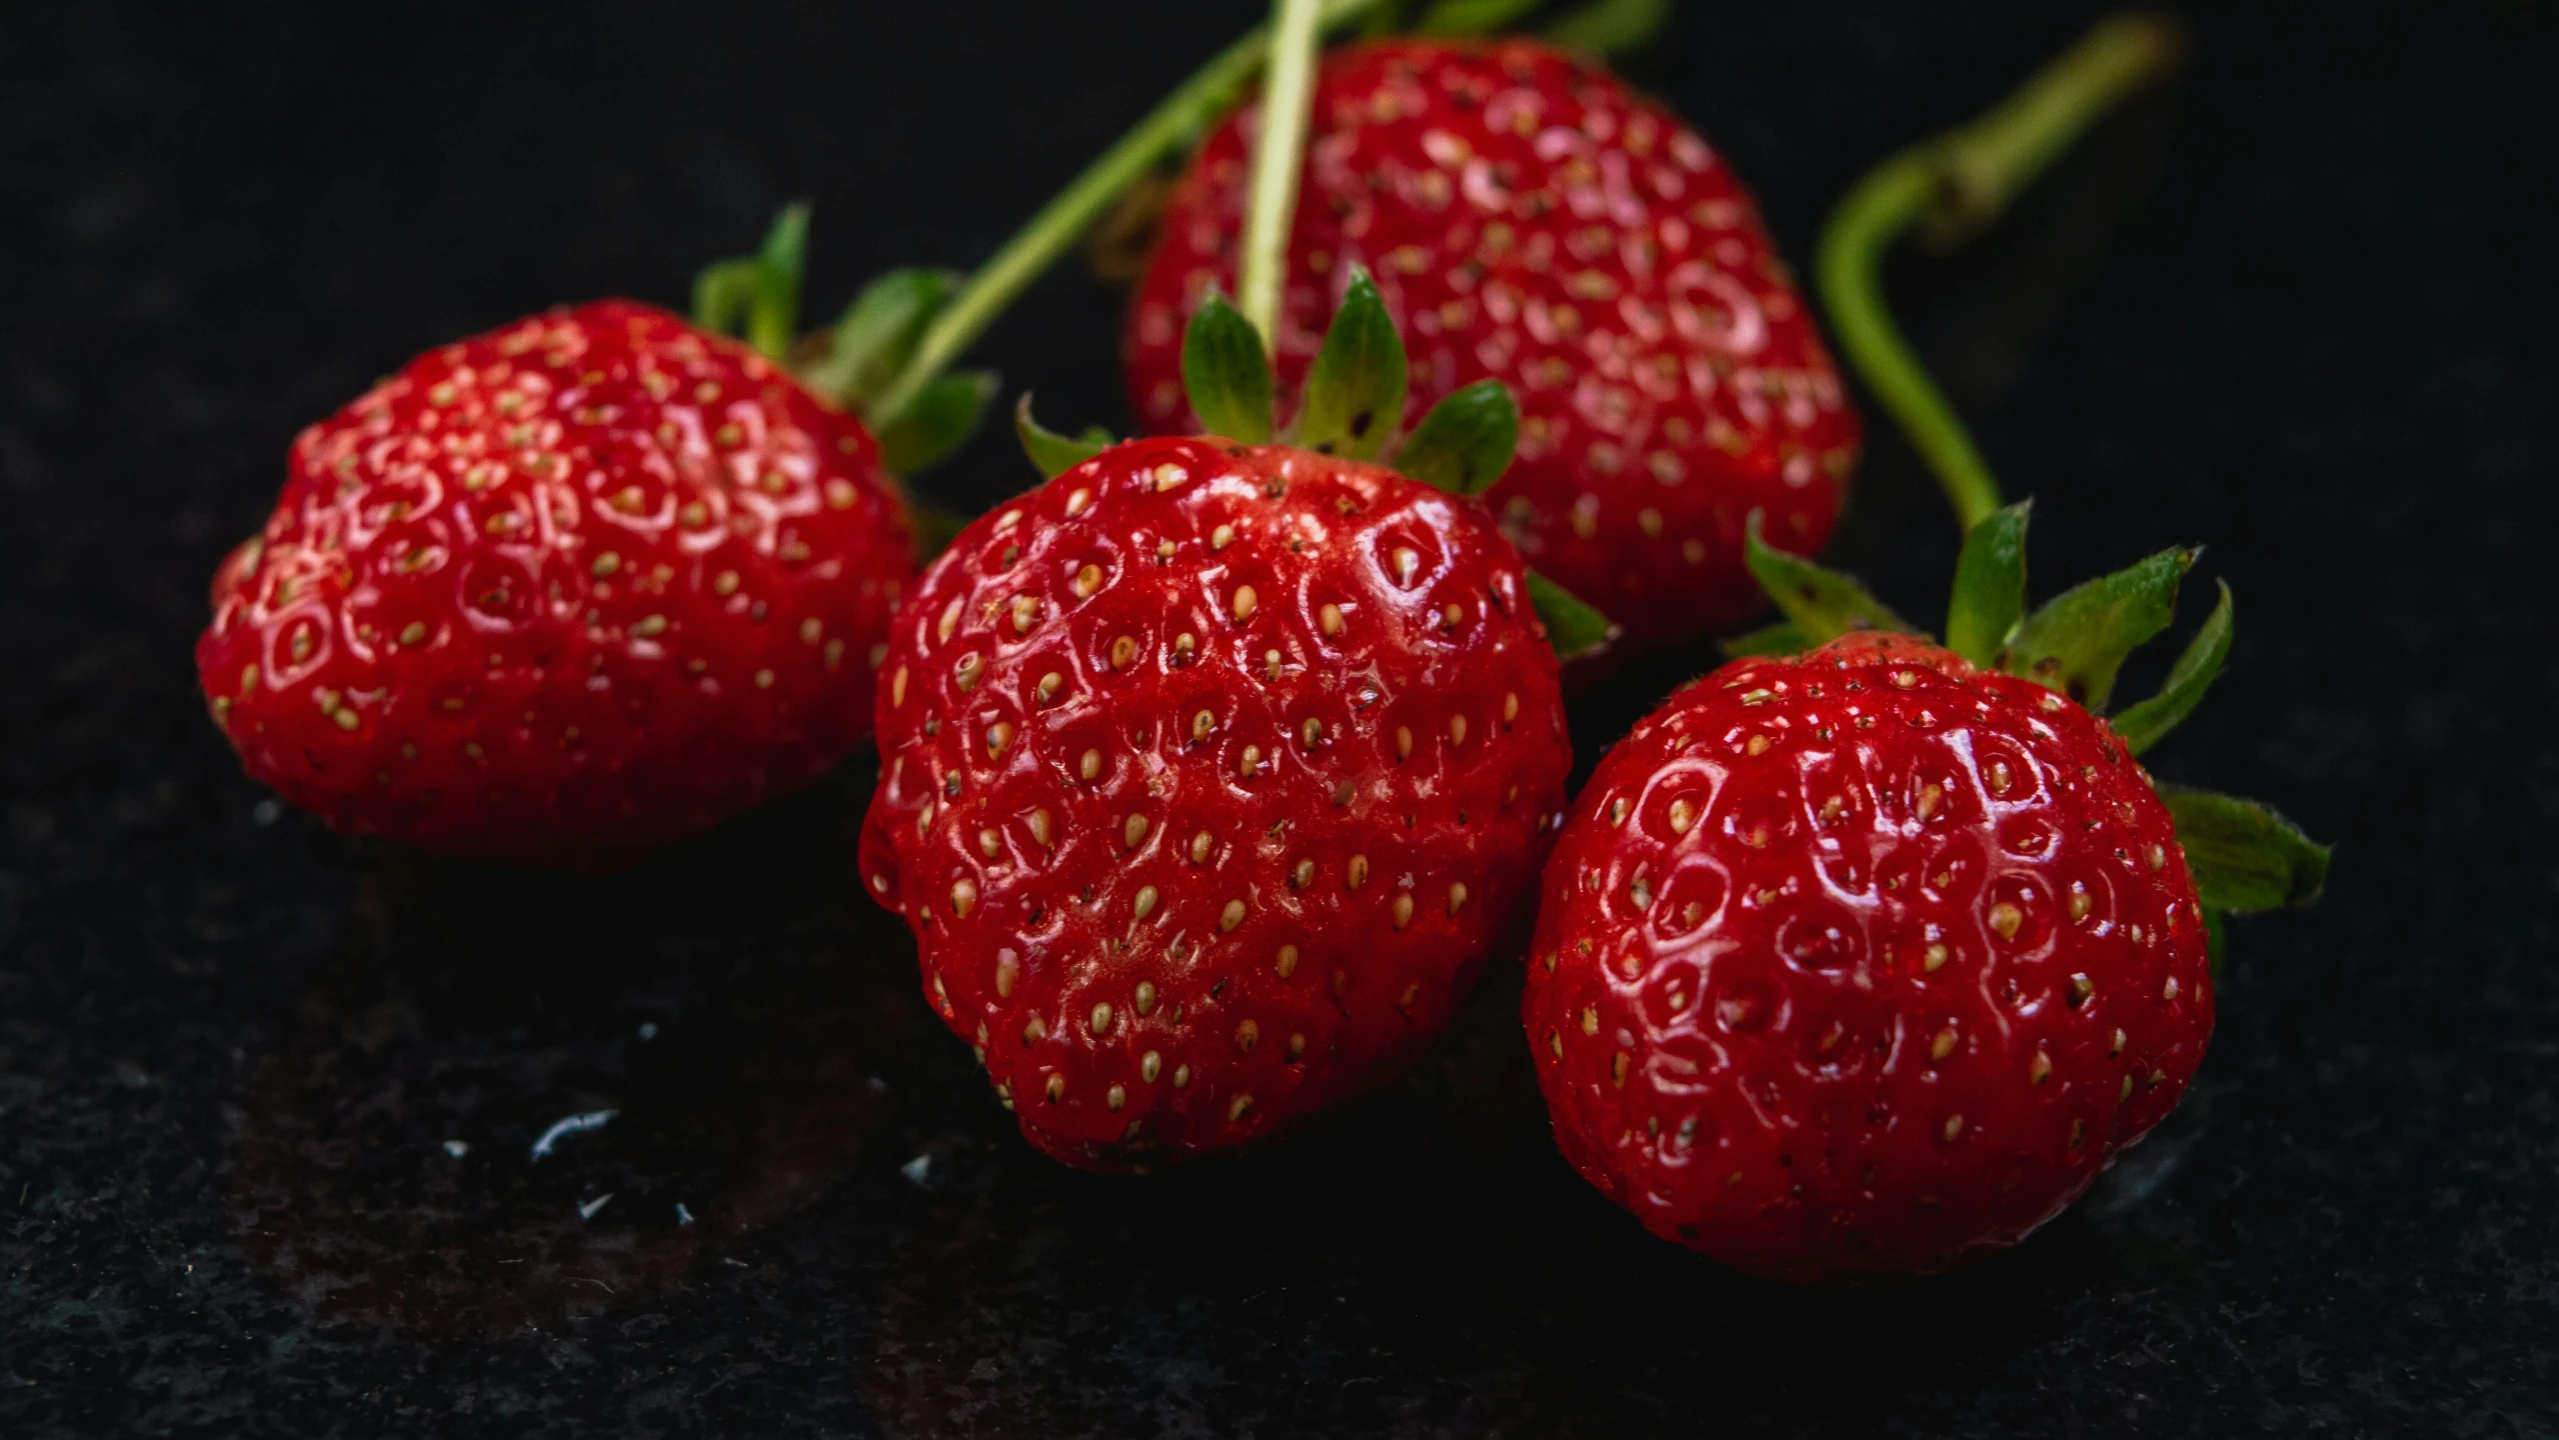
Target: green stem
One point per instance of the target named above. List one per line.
(1288, 101)
(1959, 182)
(1200, 102)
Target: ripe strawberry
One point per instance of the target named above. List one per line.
(1216, 769)
(561, 593)
(1869, 960)
(1533, 221)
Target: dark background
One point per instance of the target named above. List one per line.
(2293, 307)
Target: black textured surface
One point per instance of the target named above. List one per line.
(2294, 308)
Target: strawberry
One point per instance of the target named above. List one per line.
(1531, 220)
(1215, 769)
(561, 593)
(1868, 960)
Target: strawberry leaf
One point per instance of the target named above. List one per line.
(1823, 604)
(2244, 856)
(1990, 585)
(1355, 389)
(936, 422)
(1610, 27)
(1053, 453)
(1472, 17)
(876, 339)
(1572, 627)
(1465, 443)
(1782, 638)
(2079, 639)
(1227, 372)
(2144, 724)
(762, 290)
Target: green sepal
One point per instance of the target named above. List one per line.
(1990, 585)
(1052, 453)
(762, 290)
(2143, 725)
(936, 422)
(1610, 27)
(1472, 17)
(1576, 630)
(1782, 638)
(1227, 372)
(1823, 604)
(1355, 389)
(879, 332)
(1465, 443)
(2079, 639)
(2243, 855)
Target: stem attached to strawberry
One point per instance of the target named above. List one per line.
(1957, 183)
(1200, 102)
(1288, 102)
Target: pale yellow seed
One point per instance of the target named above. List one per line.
(1236, 1107)
(1330, 619)
(1088, 580)
(2155, 856)
(1149, 1065)
(1682, 816)
(1943, 1045)
(2169, 991)
(1296, 1046)
(1049, 685)
(1403, 743)
(963, 898)
(1358, 871)
(1221, 537)
(1091, 764)
(2005, 919)
(1403, 910)
(897, 687)
(1145, 902)
(2038, 1068)
(810, 629)
(1101, 1018)
(2080, 904)
(1056, 1087)
(1311, 731)
(1200, 844)
(1287, 961)
(1123, 651)
(1510, 707)
(1134, 830)
(989, 844)
(1955, 1123)
(1244, 601)
(1037, 820)
(998, 735)
(1271, 663)
(1116, 1096)
(1247, 1035)
(1456, 898)
(1456, 729)
(1590, 1019)
(1302, 875)
(1076, 502)
(1250, 761)
(1145, 997)
(1231, 916)
(1007, 970)
(1408, 561)
(1168, 476)
(1934, 959)
(1181, 1076)
(950, 620)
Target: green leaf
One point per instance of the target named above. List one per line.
(1053, 453)
(1610, 27)
(774, 318)
(1782, 638)
(877, 337)
(2244, 856)
(1227, 372)
(1472, 17)
(1355, 389)
(1465, 443)
(2142, 725)
(722, 293)
(1990, 585)
(1823, 604)
(1575, 629)
(760, 291)
(2079, 639)
(936, 422)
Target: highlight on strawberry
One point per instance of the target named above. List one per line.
(1216, 768)
(1865, 955)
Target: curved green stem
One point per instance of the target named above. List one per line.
(1279, 153)
(1959, 182)
(1200, 102)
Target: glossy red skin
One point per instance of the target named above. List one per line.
(1017, 872)
(1670, 379)
(1793, 1017)
(560, 594)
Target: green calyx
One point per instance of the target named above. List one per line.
(1602, 27)
(2243, 855)
(861, 358)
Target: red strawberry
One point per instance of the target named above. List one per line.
(1214, 773)
(1531, 220)
(561, 593)
(1869, 961)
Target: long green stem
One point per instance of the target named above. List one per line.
(1959, 182)
(1288, 99)
(1172, 124)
